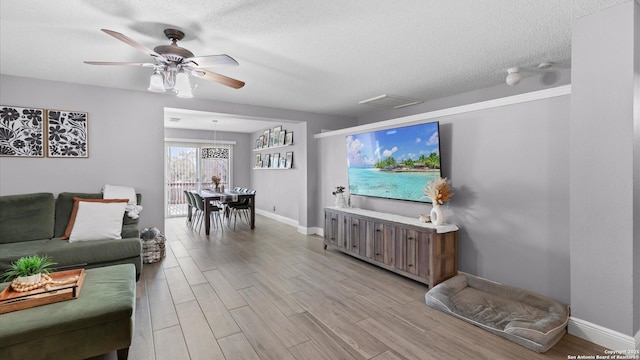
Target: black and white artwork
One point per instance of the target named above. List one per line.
(21, 131)
(67, 134)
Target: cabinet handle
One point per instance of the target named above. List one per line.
(410, 265)
(333, 238)
(377, 230)
(409, 238)
(354, 246)
(355, 224)
(377, 254)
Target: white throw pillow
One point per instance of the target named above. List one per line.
(98, 221)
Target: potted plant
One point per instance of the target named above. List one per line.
(29, 269)
(339, 194)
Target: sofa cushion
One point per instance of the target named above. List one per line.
(73, 328)
(74, 214)
(91, 252)
(64, 207)
(26, 217)
(11, 252)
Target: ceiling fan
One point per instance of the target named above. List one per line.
(174, 64)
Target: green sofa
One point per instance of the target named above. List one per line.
(33, 224)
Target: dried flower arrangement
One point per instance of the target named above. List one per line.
(216, 180)
(438, 190)
(339, 190)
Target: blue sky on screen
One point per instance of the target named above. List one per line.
(409, 142)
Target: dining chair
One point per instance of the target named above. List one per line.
(243, 207)
(188, 221)
(195, 214)
(215, 210)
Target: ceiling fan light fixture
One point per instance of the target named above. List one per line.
(183, 87)
(156, 82)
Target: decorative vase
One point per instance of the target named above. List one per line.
(437, 217)
(31, 279)
(340, 200)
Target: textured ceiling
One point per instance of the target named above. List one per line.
(314, 55)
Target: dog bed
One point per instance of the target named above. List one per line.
(528, 319)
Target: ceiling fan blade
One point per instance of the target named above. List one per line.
(212, 60)
(120, 63)
(134, 43)
(236, 84)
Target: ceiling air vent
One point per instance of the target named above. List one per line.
(390, 101)
(174, 119)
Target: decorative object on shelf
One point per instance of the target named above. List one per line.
(67, 134)
(275, 160)
(288, 139)
(265, 140)
(289, 160)
(216, 182)
(424, 218)
(276, 135)
(266, 161)
(257, 160)
(340, 199)
(21, 131)
(439, 191)
(282, 137)
(28, 270)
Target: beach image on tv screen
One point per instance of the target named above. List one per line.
(394, 163)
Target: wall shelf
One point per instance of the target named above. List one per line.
(273, 147)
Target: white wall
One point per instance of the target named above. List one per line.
(602, 168)
(509, 170)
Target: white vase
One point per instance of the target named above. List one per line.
(340, 200)
(437, 217)
(31, 278)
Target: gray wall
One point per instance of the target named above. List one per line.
(282, 189)
(602, 168)
(241, 150)
(126, 141)
(636, 175)
(509, 170)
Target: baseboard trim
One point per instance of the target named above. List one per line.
(310, 230)
(276, 217)
(601, 335)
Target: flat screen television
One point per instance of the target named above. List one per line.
(394, 163)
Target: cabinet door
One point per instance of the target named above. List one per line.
(379, 242)
(355, 231)
(406, 250)
(423, 244)
(331, 228)
(341, 239)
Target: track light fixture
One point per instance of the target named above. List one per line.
(514, 73)
(514, 76)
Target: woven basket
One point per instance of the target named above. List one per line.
(152, 245)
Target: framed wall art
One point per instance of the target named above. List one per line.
(21, 131)
(67, 134)
(289, 161)
(288, 140)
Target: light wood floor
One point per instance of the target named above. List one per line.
(272, 293)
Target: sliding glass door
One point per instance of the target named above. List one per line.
(190, 166)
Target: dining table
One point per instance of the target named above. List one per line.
(226, 196)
